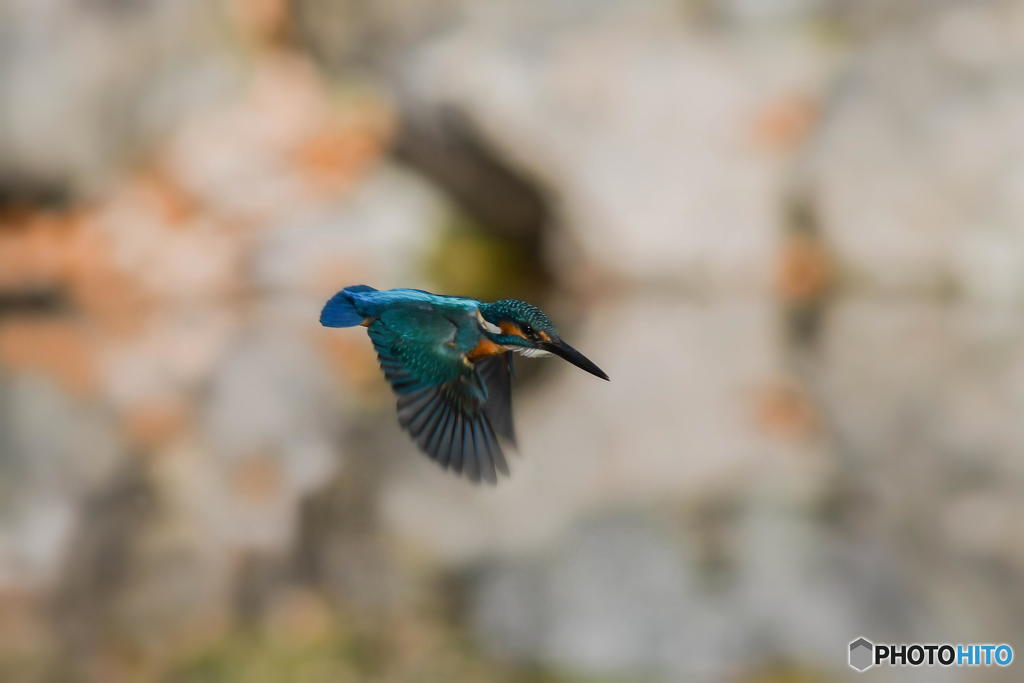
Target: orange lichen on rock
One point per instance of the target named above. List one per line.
(257, 478)
(804, 270)
(342, 146)
(784, 411)
(67, 253)
(349, 356)
(784, 123)
(56, 348)
(155, 423)
(97, 286)
(262, 20)
(163, 191)
(34, 250)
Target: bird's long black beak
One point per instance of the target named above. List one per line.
(563, 350)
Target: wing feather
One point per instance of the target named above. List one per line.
(431, 425)
(470, 461)
(457, 463)
(497, 372)
(484, 456)
(434, 442)
(446, 449)
(454, 411)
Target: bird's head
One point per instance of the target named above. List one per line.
(523, 328)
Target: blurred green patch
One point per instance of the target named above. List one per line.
(787, 673)
(469, 260)
(382, 653)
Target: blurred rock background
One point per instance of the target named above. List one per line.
(791, 231)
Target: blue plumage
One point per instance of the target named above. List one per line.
(341, 310)
(446, 360)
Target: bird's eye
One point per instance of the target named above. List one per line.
(527, 330)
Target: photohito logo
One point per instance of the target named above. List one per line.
(864, 654)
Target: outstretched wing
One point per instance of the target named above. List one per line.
(496, 373)
(450, 408)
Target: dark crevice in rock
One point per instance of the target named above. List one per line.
(805, 314)
(447, 148)
(103, 557)
(33, 301)
(19, 193)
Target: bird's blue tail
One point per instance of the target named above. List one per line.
(341, 311)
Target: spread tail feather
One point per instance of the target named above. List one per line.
(341, 311)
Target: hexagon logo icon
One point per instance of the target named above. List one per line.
(862, 654)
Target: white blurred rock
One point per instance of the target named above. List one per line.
(379, 234)
(54, 450)
(271, 422)
(169, 356)
(920, 389)
(86, 84)
(918, 168)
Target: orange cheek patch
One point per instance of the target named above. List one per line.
(544, 336)
(511, 328)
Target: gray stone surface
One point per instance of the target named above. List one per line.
(85, 84)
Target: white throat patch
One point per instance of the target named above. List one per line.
(529, 353)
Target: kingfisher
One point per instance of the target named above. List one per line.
(449, 362)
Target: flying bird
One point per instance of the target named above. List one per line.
(449, 361)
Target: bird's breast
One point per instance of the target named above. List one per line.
(484, 349)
